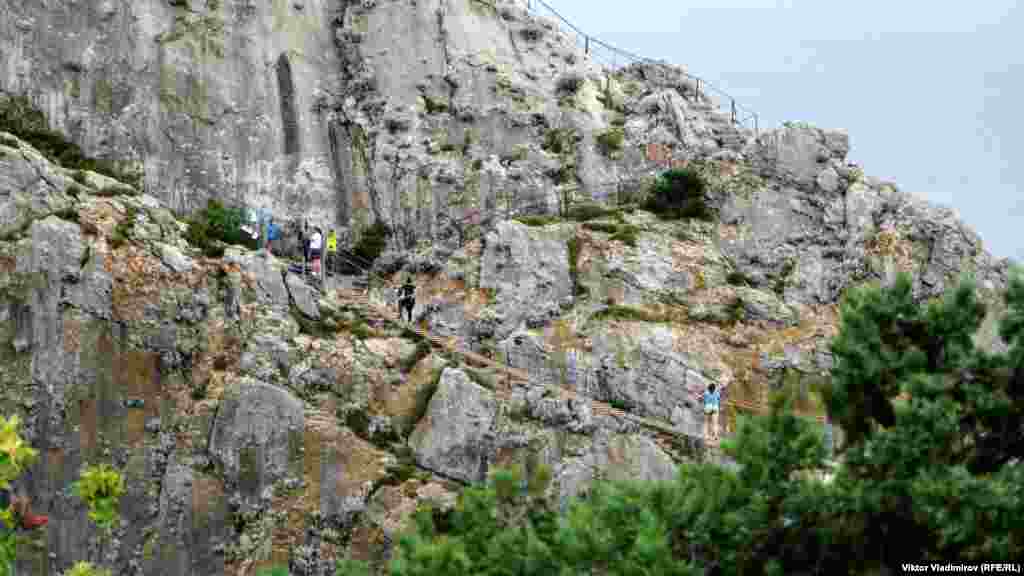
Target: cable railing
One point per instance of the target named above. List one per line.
(612, 57)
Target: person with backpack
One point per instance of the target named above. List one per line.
(712, 401)
(21, 506)
(407, 298)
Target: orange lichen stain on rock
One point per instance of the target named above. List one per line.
(359, 464)
(208, 501)
(99, 216)
(138, 378)
(88, 433)
(72, 334)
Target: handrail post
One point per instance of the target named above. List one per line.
(586, 44)
(733, 110)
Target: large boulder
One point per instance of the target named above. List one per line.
(651, 381)
(451, 439)
(528, 269)
(256, 436)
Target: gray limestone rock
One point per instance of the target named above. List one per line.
(797, 153)
(303, 296)
(529, 271)
(450, 439)
(762, 306)
(173, 258)
(257, 437)
(613, 457)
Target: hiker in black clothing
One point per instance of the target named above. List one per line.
(407, 298)
(304, 240)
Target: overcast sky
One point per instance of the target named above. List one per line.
(930, 92)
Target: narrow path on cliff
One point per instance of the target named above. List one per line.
(666, 431)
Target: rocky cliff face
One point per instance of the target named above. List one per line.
(345, 112)
(281, 424)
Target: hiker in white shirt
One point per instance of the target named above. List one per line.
(316, 244)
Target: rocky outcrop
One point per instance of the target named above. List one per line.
(451, 438)
(256, 435)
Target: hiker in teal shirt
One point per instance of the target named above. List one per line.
(712, 399)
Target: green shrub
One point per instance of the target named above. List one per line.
(625, 233)
(216, 225)
(373, 241)
(21, 118)
(423, 350)
(602, 227)
(123, 230)
(590, 211)
(433, 106)
(679, 193)
(83, 568)
(559, 140)
(69, 214)
(273, 571)
(737, 278)
(610, 141)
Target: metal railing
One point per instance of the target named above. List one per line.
(617, 59)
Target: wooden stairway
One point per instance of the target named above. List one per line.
(665, 431)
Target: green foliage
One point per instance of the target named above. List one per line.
(273, 571)
(373, 241)
(585, 211)
(87, 569)
(628, 313)
(737, 278)
(423, 349)
(625, 233)
(573, 253)
(434, 105)
(216, 225)
(537, 220)
(610, 141)
(780, 281)
(933, 477)
(101, 488)
(559, 141)
(15, 458)
(679, 193)
(21, 118)
(123, 230)
(69, 214)
(350, 567)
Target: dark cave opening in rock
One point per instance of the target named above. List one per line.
(289, 116)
